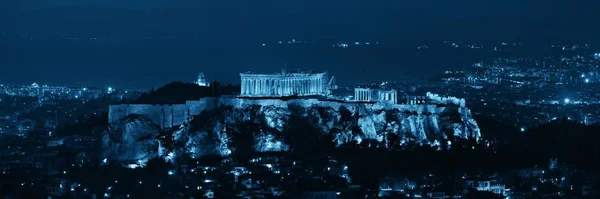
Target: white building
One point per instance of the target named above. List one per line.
(372, 95)
(284, 84)
(388, 96)
(202, 80)
(364, 94)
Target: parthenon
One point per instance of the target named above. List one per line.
(284, 84)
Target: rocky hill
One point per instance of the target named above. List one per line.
(241, 126)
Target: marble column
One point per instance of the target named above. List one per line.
(244, 86)
(360, 95)
(313, 85)
(310, 85)
(364, 95)
(255, 82)
(257, 87)
(242, 89)
(304, 86)
(321, 85)
(260, 86)
(299, 86)
(273, 89)
(294, 86)
(287, 87)
(249, 88)
(279, 87)
(263, 87)
(269, 87)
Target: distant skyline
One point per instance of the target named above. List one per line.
(229, 29)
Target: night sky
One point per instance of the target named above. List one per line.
(228, 34)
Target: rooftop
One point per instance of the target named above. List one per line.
(286, 73)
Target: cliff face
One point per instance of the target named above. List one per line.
(133, 139)
(275, 125)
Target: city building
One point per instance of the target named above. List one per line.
(300, 83)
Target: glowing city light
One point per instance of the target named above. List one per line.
(567, 100)
(522, 129)
(133, 166)
(587, 80)
(171, 173)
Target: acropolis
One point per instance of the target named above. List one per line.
(306, 88)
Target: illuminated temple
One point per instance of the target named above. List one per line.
(300, 83)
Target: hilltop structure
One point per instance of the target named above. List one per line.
(202, 80)
(297, 83)
(375, 95)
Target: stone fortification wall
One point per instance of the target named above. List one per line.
(174, 115)
(164, 115)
